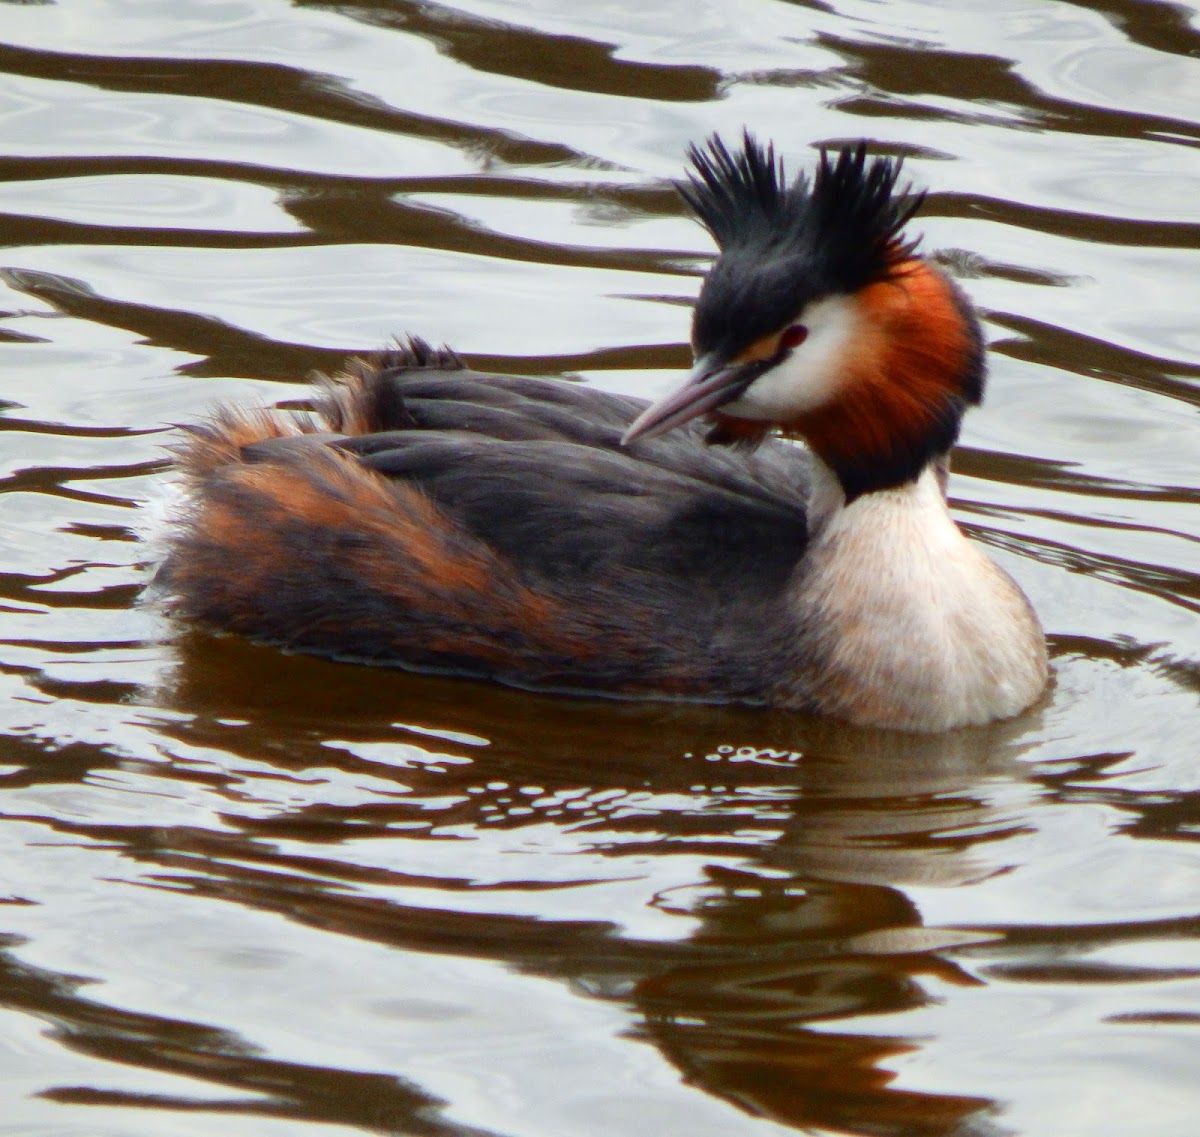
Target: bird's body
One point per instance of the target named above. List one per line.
(552, 536)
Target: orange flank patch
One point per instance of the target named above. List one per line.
(304, 547)
(401, 543)
(341, 541)
(219, 442)
(908, 367)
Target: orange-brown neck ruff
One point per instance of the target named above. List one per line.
(917, 367)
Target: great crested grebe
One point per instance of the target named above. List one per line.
(552, 536)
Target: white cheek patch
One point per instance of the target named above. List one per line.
(813, 374)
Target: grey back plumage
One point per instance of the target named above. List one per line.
(535, 468)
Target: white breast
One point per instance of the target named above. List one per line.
(912, 626)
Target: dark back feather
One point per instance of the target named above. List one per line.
(435, 517)
(536, 469)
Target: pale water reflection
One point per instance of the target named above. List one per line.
(251, 892)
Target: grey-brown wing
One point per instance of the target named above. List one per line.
(535, 468)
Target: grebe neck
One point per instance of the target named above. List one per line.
(909, 623)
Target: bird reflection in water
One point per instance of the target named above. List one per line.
(801, 920)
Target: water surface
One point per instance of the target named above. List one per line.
(249, 893)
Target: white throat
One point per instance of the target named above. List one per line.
(911, 625)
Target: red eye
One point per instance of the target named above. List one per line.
(794, 336)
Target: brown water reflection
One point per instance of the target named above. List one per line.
(284, 1090)
(810, 925)
(251, 890)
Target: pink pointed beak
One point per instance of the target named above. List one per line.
(710, 384)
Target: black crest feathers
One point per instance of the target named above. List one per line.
(786, 243)
(846, 222)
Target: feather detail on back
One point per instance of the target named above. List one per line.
(488, 525)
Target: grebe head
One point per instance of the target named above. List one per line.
(818, 318)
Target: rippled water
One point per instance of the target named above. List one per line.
(256, 894)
